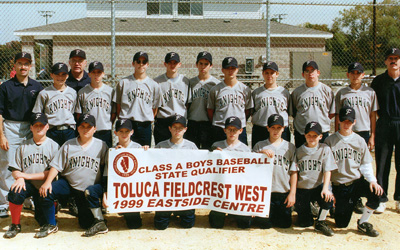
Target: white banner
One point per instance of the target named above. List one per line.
(170, 180)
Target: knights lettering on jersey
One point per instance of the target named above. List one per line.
(174, 93)
(83, 162)
(356, 101)
(231, 99)
(37, 158)
(307, 102)
(97, 102)
(200, 93)
(347, 153)
(272, 101)
(310, 165)
(60, 104)
(281, 161)
(139, 93)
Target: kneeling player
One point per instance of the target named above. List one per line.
(81, 163)
(353, 160)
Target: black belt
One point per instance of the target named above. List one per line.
(61, 127)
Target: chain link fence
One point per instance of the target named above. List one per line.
(289, 32)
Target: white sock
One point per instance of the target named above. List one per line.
(323, 214)
(366, 214)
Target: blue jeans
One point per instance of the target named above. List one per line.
(104, 135)
(142, 133)
(61, 136)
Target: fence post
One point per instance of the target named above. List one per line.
(113, 43)
(268, 39)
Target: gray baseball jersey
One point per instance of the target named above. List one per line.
(185, 144)
(268, 102)
(174, 95)
(198, 96)
(312, 163)
(362, 100)
(240, 146)
(132, 144)
(229, 101)
(312, 104)
(58, 106)
(137, 98)
(350, 153)
(284, 163)
(81, 167)
(99, 103)
(31, 158)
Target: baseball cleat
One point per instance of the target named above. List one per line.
(3, 213)
(12, 231)
(98, 227)
(321, 226)
(367, 229)
(359, 207)
(45, 230)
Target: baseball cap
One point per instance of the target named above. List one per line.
(59, 68)
(347, 113)
(233, 121)
(229, 62)
(96, 65)
(270, 65)
(39, 117)
(275, 119)
(77, 52)
(392, 51)
(172, 56)
(355, 66)
(310, 64)
(313, 126)
(204, 55)
(123, 123)
(140, 54)
(178, 119)
(25, 55)
(88, 118)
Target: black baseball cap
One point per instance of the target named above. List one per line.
(59, 68)
(310, 64)
(270, 65)
(355, 66)
(347, 113)
(313, 126)
(88, 118)
(78, 53)
(233, 121)
(39, 117)
(178, 119)
(275, 119)
(172, 56)
(25, 55)
(229, 62)
(204, 55)
(140, 54)
(392, 51)
(96, 65)
(123, 123)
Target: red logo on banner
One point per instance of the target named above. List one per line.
(125, 164)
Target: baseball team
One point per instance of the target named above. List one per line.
(54, 141)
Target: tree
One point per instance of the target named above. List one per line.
(7, 53)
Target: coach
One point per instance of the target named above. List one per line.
(17, 97)
(78, 77)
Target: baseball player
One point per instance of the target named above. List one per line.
(353, 160)
(229, 98)
(199, 127)
(312, 101)
(388, 126)
(17, 97)
(58, 103)
(177, 129)
(315, 163)
(269, 99)
(81, 163)
(77, 76)
(138, 98)
(284, 176)
(233, 128)
(174, 96)
(29, 170)
(98, 99)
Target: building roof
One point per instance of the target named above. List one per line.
(169, 27)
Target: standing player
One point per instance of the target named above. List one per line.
(174, 96)
(284, 176)
(388, 126)
(58, 103)
(353, 160)
(77, 77)
(314, 162)
(138, 98)
(30, 169)
(17, 97)
(312, 101)
(269, 99)
(199, 126)
(177, 129)
(98, 100)
(229, 98)
(81, 163)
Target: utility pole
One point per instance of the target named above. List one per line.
(280, 17)
(374, 38)
(46, 14)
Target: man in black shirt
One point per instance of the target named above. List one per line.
(78, 77)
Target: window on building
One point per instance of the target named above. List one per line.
(161, 7)
(190, 8)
